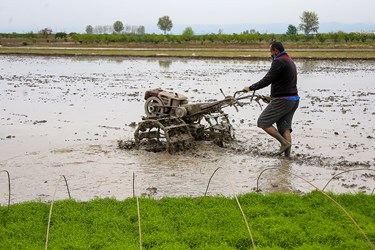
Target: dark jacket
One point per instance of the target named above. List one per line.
(283, 77)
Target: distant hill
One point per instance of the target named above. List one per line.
(277, 28)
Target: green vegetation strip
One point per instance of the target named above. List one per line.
(277, 221)
(192, 53)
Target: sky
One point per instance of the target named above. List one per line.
(24, 16)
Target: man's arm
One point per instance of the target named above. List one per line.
(270, 77)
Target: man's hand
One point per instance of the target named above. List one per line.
(267, 99)
(246, 89)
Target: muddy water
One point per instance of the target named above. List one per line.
(63, 116)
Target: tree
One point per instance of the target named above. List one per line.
(141, 30)
(321, 37)
(46, 32)
(165, 24)
(98, 29)
(292, 30)
(108, 29)
(251, 31)
(89, 29)
(118, 26)
(188, 32)
(309, 22)
(61, 35)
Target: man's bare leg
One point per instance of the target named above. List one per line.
(288, 137)
(285, 144)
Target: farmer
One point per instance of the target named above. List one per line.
(284, 97)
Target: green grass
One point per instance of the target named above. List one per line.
(247, 54)
(277, 221)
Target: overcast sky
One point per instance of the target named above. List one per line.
(74, 15)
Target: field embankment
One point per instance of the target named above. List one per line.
(190, 52)
(222, 46)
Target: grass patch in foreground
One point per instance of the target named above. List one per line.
(277, 221)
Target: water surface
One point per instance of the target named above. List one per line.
(63, 116)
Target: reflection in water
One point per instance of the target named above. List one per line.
(332, 66)
(165, 64)
(115, 59)
(118, 60)
(278, 179)
(308, 66)
(284, 176)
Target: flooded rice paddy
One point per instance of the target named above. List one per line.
(64, 116)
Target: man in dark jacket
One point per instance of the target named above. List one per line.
(283, 79)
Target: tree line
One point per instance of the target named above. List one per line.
(239, 39)
(309, 23)
(120, 33)
(165, 24)
(188, 37)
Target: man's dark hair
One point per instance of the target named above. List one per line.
(277, 45)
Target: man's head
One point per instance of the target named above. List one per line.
(276, 48)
